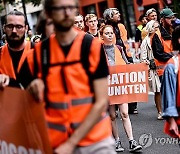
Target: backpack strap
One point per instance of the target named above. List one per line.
(85, 51)
(45, 62)
(84, 59)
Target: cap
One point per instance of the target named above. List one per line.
(150, 11)
(167, 12)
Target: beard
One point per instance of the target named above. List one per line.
(13, 43)
(63, 26)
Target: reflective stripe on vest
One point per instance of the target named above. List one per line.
(58, 127)
(62, 128)
(64, 105)
(81, 101)
(72, 108)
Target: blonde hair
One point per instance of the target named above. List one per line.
(89, 16)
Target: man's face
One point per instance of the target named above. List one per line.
(116, 16)
(92, 23)
(63, 13)
(168, 21)
(15, 30)
(78, 22)
(152, 16)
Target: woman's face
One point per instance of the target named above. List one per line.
(108, 35)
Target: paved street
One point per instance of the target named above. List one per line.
(149, 131)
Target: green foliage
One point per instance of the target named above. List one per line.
(34, 2)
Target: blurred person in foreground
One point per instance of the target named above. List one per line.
(170, 89)
(44, 26)
(73, 66)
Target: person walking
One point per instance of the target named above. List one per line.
(148, 57)
(73, 66)
(116, 56)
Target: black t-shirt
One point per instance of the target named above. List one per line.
(15, 56)
(66, 49)
(102, 69)
(24, 76)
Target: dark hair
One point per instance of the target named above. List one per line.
(141, 17)
(100, 21)
(40, 26)
(16, 13)
(175, 37)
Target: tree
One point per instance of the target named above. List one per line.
(34, 2)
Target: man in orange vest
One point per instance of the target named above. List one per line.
(161, 43)
(73, 67)
(16, 56)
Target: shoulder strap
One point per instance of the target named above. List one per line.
(85, 51)
(45, 55)
(45, 62)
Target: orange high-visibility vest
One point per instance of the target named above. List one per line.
(118, 57)
(6, 64)
(167, 44)
(69, 93)
(123, 33)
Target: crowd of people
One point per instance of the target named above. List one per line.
(66, 65)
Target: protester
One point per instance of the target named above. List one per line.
(162, 44)
(16, 67)
(79, 22)
(75, 80)
(171, 89)
(101, 23)
(112, 17)
(92, 22)
(117, 57)
(148, 57)
(44, 26)
(138, 38)
(151, 14)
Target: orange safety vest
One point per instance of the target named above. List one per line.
(118, 57)
(167, 44)
(69, 92)
(166, 126)
(123, 33)
(6, 64)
